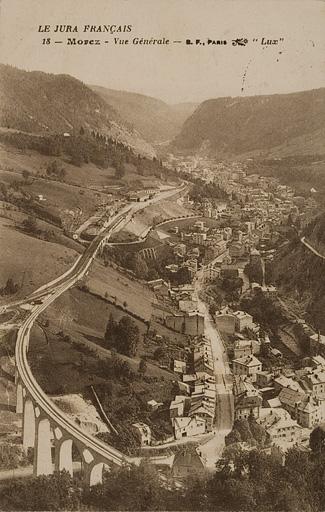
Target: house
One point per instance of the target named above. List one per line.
(187, 464)
(247, 398)
(159, 286)
(310, 412)
(188, 426)
(248, 404)
(317, 344)
(248, 366)
(284, 431)
(153, 405)
(290, 398)
(143, 433)
(246, 347)
(243, 321)
(179, 366)
(188, 323)
(264, 378)
(317, 361)
(179, 406)
(203, 410)
(286, 382)
(225, 321)
(314, 382)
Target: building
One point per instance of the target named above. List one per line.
(143, 433)
(204, 410)
(317, 344)
(287, 382)
(289, 399)
(188, 426)
(187, 464)
(248, 366)
(314, 382)
(284, 431)
(244, 348)
(188, 323)
(264, 379)
(310, 412)
(225, 321)
(179, 366)
(180, 406)
(243, 321)
(248, 404)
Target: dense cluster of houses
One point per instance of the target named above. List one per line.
(288, 403)
(261, 199)
(193, 412)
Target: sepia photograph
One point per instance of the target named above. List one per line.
(162, 255)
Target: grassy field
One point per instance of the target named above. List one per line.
(30, 261)
(17, 160)
(158, 212)
(107, 280)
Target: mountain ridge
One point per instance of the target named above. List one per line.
(60, 103)
(236, 125)
(154, 119)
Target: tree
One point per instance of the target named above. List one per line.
(54, 169)
(254, 272)
(140, 267)
(317, 439)
(159, 353)
(30, 225)
(26, 174)
(130, 488)
(55, 492)
(127, 336)
(142, 366)
(119, 170)
(110, 332)
(10, 287)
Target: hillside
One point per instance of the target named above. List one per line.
(300, 274)
(233, 126)
(154, 119)
(39, 102)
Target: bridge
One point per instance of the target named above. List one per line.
(45, 427)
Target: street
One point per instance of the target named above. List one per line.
(212, 449)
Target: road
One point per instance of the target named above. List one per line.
(41, 299)
(311, 248)
(212, 450)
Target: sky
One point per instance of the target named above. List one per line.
(176, 72)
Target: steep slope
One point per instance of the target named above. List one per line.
(233, 126)
(300, 274)
(154, 119)
(40, 102)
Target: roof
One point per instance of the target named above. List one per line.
(248, 399)
(290, 397)
(274, 402)
(274, 419)
(287, 382)
(315, 377)
(201, 407)
(242, 314)
(309, 405)
(249, 361)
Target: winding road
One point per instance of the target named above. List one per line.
(40, 300)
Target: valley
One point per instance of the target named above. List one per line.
(161, 282)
